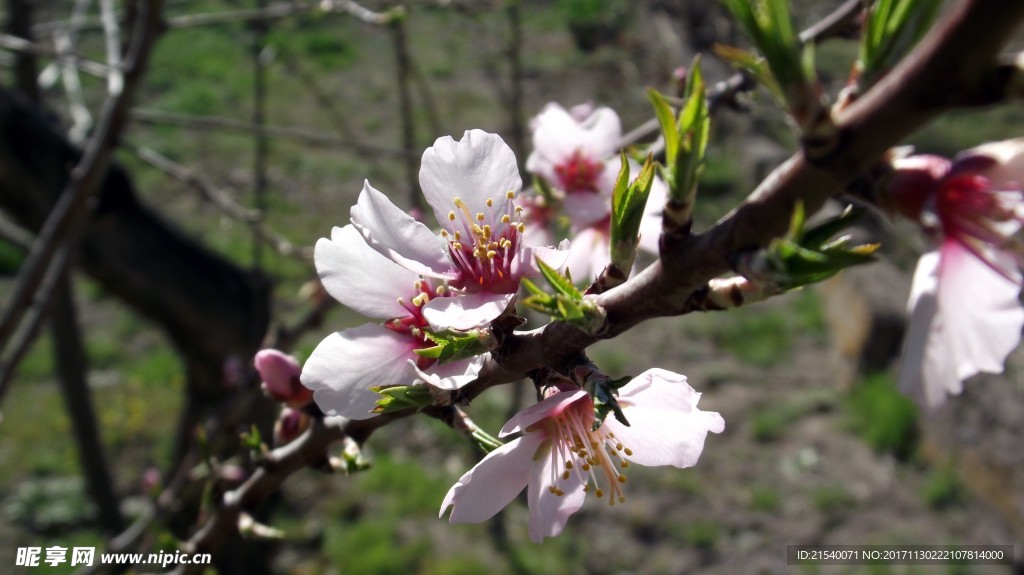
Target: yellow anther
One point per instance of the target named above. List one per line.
(505, 219)
(480, 216)
(559, 492)
(444, 233)
(519, 209)
(568, 465)
(586, 488)
(491, 254)
(489, 202)
(551, 488)
(521, 228)
(509, 195)
(618, 447)
(440, 290)
(624, 464)
(401, 301)
(458, 202)
(627, 451)
(458, 235)
(457, 245)
(622, 499)
(585, 467)
(599, 493)
(451, 216)
(565, 474)
(487, 231)
(622, 479)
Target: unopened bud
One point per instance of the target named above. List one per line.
(914, 180)
(280, 374)
(290, 424)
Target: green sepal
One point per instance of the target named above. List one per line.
(456, 345)
(402, 397)
(603, 392)
(567, 304)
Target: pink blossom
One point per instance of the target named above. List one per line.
(280, 374)
(577, 153)
(965, 312)
(559, 457)
(472, 186)
(345, 364)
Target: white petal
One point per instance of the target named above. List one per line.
(395, 234)
(452, 376)
(465, 312)
(361, 278)
(588, 255)
(344, 366)
(604, 130)
(665, 425)
(665, 437)
(493, 483)
(549, 512)
(965, 318)
(525, 264)
(477, 167)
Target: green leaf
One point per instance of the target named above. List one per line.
(628, 204)
(251, 439)
(892, 28)
(562, 284)
(667, 119)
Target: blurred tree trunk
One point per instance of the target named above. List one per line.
(214, 311)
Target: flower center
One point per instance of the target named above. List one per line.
(579, 174)
(596, 457)
(412, 325)
(483, 245)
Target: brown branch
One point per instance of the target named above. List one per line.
(405, 111)
(954, 66)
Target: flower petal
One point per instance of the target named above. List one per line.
(398, 236)
(452, 376)
(548, 407)
(361, 278)
(965, 318)
(465, 312)
(493, 482)
(650, 224)
(586, 209)
(550, 512)
(345, 364)
(665, 437)
(588, 255)
(477, 167)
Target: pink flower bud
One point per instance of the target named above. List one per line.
(280, 374)
(290, 424)
(914, 181)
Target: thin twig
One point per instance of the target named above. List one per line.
(149, 116)
(223, 201)
(112, 36)
(80, 117)
(71, 27)
(23, 46)
(401, 49)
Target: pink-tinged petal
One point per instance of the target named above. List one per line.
(979, 309)
(585, 208)
(1007, 157)
(550, 512)
(965, 318)
(493, 483)
(345, 364)
(361, 278)
(665, 437)
(588, 254)
(398, 236)
(556, 137)
(466, 312)
(475, 168)
(451, 376)
(548, 407)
